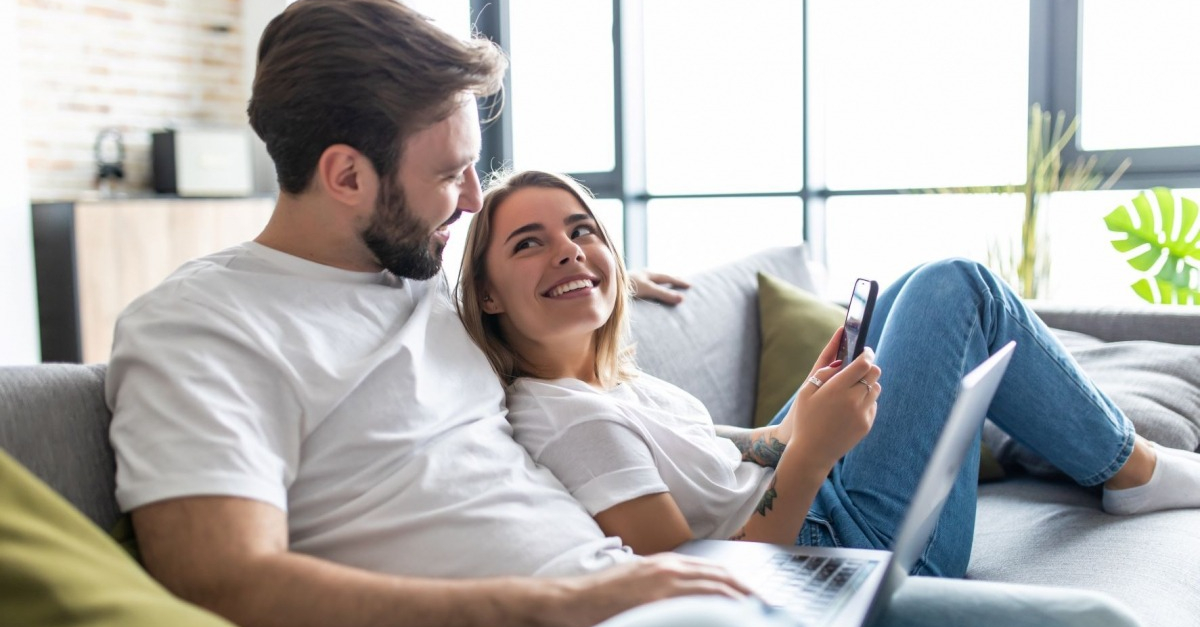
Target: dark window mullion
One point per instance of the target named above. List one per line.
(813, 188)
(1042, 56)
(629, 57)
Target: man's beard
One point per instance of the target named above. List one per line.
(401, 243)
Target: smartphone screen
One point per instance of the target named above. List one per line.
(858, 317)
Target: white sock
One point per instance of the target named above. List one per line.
(1175, 484)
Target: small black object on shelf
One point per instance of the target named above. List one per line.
(110, 159)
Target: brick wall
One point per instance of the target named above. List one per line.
(137, 65)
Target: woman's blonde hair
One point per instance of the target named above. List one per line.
(614, 359)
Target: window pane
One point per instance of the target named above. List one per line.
(452, 15)
(1085, 268)
(1140, 63)
(685, 236)
(882, 237)
(930, 93)
(723, 90)
(562, 85)
(611, 213)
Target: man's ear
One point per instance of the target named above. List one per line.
(490, 305)
(347, 175)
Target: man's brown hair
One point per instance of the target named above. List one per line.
(365, 73)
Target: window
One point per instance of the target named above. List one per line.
(562, 85)
(452, 15)
(928, 97)
(883, 236)
(693, 234)
(723, 93)
(1140, 66)
(719, 128)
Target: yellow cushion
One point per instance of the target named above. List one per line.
(795, 326)
(58, 569)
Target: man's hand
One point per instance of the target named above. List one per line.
(657, 287)
(590, 599)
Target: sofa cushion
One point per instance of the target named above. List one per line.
(54, 421)
(59, 569)
(717, 320)
(1156, 384)
(795, 326)
(1031, 531)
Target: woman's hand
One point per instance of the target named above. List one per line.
(826, 421)
(783, 431)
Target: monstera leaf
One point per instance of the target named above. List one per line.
(1162, 242)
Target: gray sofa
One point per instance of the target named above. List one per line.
(1030, 530)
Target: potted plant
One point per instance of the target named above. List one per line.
(1161, 241)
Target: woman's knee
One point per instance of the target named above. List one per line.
(953, 278)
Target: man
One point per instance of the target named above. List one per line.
(305, 435)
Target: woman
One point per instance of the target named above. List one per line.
(544, 292)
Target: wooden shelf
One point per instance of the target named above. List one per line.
(95, 257)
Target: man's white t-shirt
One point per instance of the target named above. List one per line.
(641, 437)
(354, 402)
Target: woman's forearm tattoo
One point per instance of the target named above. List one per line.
(764, 450)
(768, 499)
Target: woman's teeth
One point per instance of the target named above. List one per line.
(570, 286)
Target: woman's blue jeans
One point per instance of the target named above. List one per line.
(931, 327)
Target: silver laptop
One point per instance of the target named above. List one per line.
(836, 586)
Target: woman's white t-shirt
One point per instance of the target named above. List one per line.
(641, 437)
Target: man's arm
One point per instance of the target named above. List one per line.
(230, 555)
(657, 286)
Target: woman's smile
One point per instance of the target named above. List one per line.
(573, 287)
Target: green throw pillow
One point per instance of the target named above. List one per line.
(795, 327)
(58, 569)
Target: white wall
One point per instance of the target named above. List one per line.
(19, 340)
(136, 66)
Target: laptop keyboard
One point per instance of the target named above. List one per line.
(810, 587)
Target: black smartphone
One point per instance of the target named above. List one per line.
(858, 319)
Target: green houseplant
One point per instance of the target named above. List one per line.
(1161, 241)
(1024, 262)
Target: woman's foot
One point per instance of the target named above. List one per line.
(1170, 480)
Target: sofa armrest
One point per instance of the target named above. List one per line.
(1176, 324)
